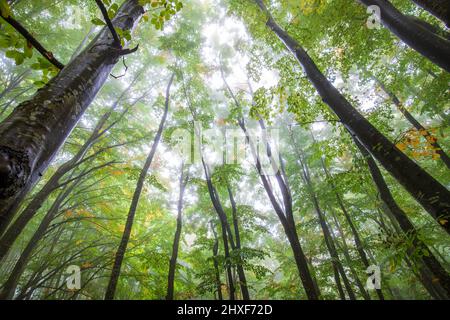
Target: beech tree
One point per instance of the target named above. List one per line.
(223, 149)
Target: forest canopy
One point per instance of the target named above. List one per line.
(224, 149)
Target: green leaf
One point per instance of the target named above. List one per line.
(5, 10)
(98, 22)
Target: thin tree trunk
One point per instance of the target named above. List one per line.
(337, 265)
(440, 275)
(337, 279)
(355, 233)
(224, 226)
(438, 8)
(111, 290)
(346, 251)
(215, 200)
(240, 269)
(9, 287)
(427, 43)
(416, 124)
(216, 263)
(284, 215)
(432, 195)
(176, 240)
(82, 43)
(32, 134)
(226, 249)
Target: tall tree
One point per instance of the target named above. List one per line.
(432, 195)
(99, 131)
(427, 43)
(120, 253)
(184, 178)
(440, 275)
(33, 133)
(216, 263)
(283, 210)
(9, 287)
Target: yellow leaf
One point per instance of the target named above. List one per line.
(117, 172)
(401, 146)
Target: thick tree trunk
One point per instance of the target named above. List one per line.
(8, 237)
(216, 263)
(176, 240)
(416, 124)
(427, 43)
(433, 196)
(440, 275)
(32, 134)
(111, 290)
(438, 8)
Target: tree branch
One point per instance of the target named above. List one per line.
(109, 23)
(24, 32)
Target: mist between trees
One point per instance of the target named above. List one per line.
(224, 149)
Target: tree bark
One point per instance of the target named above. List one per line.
(176, 240)
(337, 265)
(224, 226)
(285, 215)
(32, 134)
(356, 238)
(9, 287)
(10, 235)
(240, 269)
(346, 251)
(427, 43)
(438, 8)
(432, 195)
(440, 275)
(216, 263)
(111, 290)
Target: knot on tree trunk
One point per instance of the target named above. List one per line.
(13, 171)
